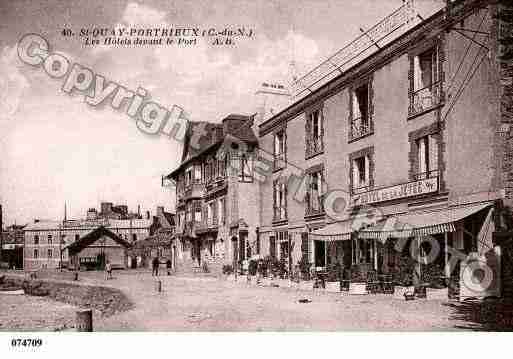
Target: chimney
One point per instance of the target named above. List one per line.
(147, 214)
(160, 211)
(270, 98)
(139, 210)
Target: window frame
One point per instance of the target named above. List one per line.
(280, 159)
(369, 130)
(434, 90)
(368, 154)
(320, 173)
(314, 145)
(247, 159)
(279, 194)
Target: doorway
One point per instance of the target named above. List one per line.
(320, 253)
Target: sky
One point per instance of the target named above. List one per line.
(56, 149)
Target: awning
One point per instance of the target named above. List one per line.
(420, 223)
(338, 231)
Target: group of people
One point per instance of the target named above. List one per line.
(155, 266)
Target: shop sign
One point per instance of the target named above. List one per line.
(416, 188)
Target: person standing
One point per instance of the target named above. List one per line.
(108, 270)
(168, 266)
(155, 266)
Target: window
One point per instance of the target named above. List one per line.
(210, 213)
(272, 246)
(197, 212)
(314, 133)
(36, 239)
(197, 173)
(188, 177)
(50, 239)
(315, 191)
(188, 211)
(426, 84)
(305, 248)
(283, 239)
(427, 157)
(50, 253)
(280, 200)
(362, 250)
(360, 114)
(77, 237)
(63, 239)
(279, 149)
(360, 174)
(36, 253)
(208, 171)
(134, 237)
(222, 210)
(246, 168)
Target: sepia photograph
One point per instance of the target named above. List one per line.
(259, 166)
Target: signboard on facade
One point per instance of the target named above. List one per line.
(424, 186)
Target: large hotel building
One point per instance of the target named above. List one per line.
(417, 131)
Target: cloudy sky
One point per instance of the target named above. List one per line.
(55, 148)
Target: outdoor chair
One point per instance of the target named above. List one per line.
(387, 284)
(346, 280)
(372, 282)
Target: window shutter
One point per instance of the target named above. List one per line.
(307, 133)
(433, 152)
(417, 77)
(285, 198)
(367, 170)
(356, 174)
(422, 155)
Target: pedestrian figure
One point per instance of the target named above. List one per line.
(168, 266)
(155, 266)
(108, 270)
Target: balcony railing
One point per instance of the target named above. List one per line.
(314, 145)
(194, 190)
(314, 206)
(425, 175)
(425, 98)
(361, 189)
(279, 214)
(360, 126)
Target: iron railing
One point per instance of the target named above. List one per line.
(314, 145)
(360, 126)
(425, 98)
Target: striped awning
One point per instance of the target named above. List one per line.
(338, 231)
(420, 223)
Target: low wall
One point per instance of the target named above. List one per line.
(108, 301)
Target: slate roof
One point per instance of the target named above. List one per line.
(238, 126)
(93, 236)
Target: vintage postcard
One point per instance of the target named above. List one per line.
(255, 166)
